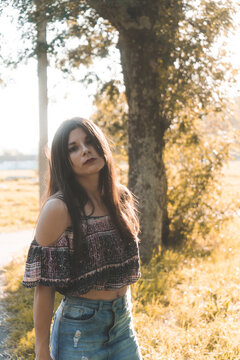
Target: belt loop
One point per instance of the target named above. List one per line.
(100, 306)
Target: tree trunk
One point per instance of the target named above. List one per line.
(140, 55)
(147, 176)
(43, 97)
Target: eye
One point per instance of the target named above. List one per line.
(72, 149)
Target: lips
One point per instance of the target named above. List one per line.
(88, 161)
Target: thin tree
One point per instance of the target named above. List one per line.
(41, 51)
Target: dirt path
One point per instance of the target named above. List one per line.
(11, 244)
(4, 354)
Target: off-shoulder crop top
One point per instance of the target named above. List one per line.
(113, 263)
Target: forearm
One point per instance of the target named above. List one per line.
(42, 314)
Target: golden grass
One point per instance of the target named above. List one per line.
(232, 179)
(186, 306)
(19, 302)
(194, 310)
(19, 201)
(17, 173)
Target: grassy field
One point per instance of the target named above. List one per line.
(192, 303)
(19, 200)
(19, 196)
(186, 306)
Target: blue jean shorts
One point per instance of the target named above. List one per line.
(85, 329)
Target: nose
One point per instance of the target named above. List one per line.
(85, 149)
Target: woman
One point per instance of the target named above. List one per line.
(86, 248)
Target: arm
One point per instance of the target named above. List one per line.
(42, 314)
(54, 212)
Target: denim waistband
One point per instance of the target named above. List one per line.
(98, 304)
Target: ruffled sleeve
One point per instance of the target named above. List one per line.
(48, 265)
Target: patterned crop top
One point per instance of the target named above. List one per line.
(113, 263)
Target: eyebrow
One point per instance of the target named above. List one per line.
(74, 142)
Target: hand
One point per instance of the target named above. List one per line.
(43, 356)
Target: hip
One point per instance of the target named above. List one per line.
(94, 329)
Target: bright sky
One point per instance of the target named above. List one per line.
(19, 128)
(19, 99)
(19, 107)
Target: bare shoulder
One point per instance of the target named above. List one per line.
(53, 220)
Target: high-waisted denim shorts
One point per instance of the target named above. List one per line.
(85, 329)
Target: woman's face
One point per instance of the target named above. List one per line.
(84, 158)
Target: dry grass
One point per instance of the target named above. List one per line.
(196, 314)
(19, 200)
(187, 305)
(232, 179)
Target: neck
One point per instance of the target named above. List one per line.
(91, 186)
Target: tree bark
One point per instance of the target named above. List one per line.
(147, 176)
(43, 96)
(139, 48)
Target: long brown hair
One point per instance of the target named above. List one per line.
(119, 201)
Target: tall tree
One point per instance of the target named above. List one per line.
(33, 27)
(154, 49)
(41, 51)
(167, 64)
(139, 48)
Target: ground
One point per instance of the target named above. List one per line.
(186, 307)
(11, 244)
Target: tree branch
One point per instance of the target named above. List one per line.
(107, 9)
(122, 14)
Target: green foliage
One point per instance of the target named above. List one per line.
(111, 116)
(76, 34)
(92, 38)
(185, 32)
(187, 66)
(194, 156)
(195, 152)
(157, 277)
